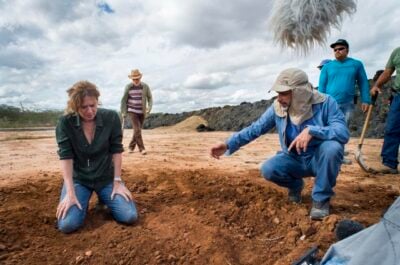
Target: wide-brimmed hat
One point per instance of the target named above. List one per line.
(135, 74)
(303, 95)
(340, 42)
(289, 79)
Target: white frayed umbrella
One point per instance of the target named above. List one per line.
(300, 24)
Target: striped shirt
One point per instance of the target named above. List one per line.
(135, 99)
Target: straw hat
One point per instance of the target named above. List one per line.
(135, 74)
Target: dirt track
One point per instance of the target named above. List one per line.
(193, 209)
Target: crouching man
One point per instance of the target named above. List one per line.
(312, 133)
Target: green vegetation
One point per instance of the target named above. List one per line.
(24, 137)
(13, 117)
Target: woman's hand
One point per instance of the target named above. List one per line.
(65, 204)
(119, 188)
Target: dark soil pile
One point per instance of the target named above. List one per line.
(234, 118)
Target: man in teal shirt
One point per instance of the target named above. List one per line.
(340, 76)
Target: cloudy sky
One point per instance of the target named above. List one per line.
(193, 53)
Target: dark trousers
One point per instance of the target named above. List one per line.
(391, 140)
(137, 124)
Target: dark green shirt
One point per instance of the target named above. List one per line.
(92, 163)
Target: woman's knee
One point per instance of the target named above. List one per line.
(128, 217)
(125, 212)
(68, 225)
(131, 217)
(72, 221)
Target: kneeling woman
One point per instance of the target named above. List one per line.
(90, 146)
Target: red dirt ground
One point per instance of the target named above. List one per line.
(193, 209)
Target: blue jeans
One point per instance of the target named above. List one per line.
(391, 140)
(288, 169)
(122, 211)
(347, 109)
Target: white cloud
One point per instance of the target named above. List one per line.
(193, 54)
(207, 81)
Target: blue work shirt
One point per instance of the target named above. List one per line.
(338, 79)
(327, 123)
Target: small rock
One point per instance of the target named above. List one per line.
(88, 253)
(26, 244)
(142, 189)
(301, 212)
(49, 189)
(79, 259)
(240, 191)
(276, 220)
(310, 231)
(171, 257)
(331, 221)
(292, 236)
(2, 247)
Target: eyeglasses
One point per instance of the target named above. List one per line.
(339, 49)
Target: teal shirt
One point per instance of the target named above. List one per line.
(339, 78)
(92, 163)
(394, 63)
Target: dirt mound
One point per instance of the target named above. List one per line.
(186, 217)
(188, 125)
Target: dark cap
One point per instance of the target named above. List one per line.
(340, 42)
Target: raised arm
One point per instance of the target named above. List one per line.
(261, 126)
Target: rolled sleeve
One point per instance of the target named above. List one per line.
(65, 150)
(248, 134)
(116, 136)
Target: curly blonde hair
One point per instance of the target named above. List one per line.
(76, 94)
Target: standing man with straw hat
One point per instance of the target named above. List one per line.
(137, 101)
